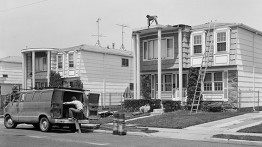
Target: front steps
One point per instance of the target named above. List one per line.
(157, 112)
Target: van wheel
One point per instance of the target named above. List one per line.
(44, 125)
(9, 123)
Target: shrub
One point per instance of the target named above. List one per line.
(55, 79)
(146, 86)
(134, 105)
(170, 105)
(191, 86)
(212, 106)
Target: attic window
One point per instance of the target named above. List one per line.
(5, 75)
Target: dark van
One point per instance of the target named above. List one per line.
(44, 108)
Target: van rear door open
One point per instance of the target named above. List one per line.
(57, 104)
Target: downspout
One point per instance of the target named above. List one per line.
(180, 52)
(254, 35)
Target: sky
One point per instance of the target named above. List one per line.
(67, 23)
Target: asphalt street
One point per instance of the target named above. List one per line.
(27, 136)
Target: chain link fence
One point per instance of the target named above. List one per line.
(2, 103)
(113, 101)
(249, 99)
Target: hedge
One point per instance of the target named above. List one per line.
(134, 105)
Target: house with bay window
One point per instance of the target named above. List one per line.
(169, 52)
(101, 70)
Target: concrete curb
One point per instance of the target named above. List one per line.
(128, 133)
(235, 141)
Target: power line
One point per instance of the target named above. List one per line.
(4, 10)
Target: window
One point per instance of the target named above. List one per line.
(5, 76)
(213, 81)
(40, 64)
(150, 49)
(131, 86)
(168, 82)
(218, 81)
(145, 51)
(221, 41)
(124, 62)
(170, 48)
(197, 44)
(71, 59)
(60, 61)
(184, 82)
(208, 82)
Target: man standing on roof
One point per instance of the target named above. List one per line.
(79, 107)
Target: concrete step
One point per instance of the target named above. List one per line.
(157, 112)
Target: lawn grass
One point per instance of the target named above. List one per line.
(182, 119)
(253, 129)
(238, 137)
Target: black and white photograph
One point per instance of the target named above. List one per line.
(130, 73)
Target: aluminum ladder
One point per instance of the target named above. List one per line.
(206, 59)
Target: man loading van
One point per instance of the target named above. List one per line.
(78, 110)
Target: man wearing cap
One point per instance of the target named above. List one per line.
(79, 107)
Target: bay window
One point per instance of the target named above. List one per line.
(150, 49)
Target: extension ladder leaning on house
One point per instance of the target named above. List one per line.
(206, 59)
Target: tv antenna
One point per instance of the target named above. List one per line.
(98, 34)
(123, 26)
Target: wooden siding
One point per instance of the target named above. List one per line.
(249, 55)
(95, 68)
(14, 72)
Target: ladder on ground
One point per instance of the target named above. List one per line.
(206, 59)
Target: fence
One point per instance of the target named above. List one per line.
(248, 99)
(112, 101)
(2, 100)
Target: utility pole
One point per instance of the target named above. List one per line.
(123, 26)
(98, 34)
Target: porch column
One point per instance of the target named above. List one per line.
(33, 69)
(159, 72)
(24, 70)
(48, 67)
(138, 64)
(180, 52)
(134, 66)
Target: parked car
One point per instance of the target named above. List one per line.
(44, 108)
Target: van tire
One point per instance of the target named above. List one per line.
(44, 124)
(9, 123)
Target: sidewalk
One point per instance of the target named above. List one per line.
(204, 132)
